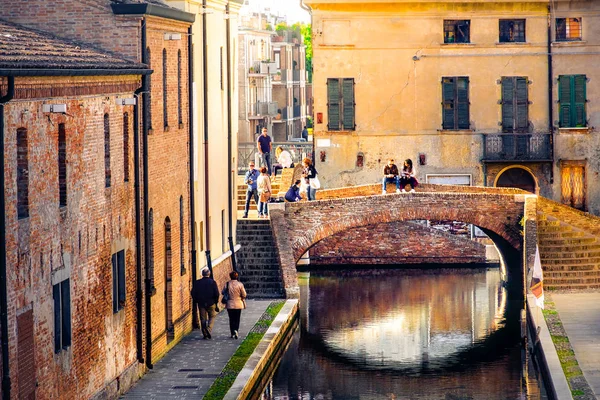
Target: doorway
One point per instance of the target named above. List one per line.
(516, 177)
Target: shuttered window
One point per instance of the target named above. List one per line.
(118, 268)
(573, 187)
(341, 108)
(515, 104)
(61, 293)
(572, 99)
(455, 103)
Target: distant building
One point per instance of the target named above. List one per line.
(462, 91)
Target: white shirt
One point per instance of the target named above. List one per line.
(285, 159)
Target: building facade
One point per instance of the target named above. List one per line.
(481, 94)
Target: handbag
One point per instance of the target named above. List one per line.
(225, 294)
(265, 196)
(315, 183)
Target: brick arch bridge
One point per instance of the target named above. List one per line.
(299, 226)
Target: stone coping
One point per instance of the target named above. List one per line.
(556, 376)
(261, 356)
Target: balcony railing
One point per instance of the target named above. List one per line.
(248, 152)
(517, 147)
(263, 68)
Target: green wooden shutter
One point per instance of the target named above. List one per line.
(448, 92)
(564, 100)
(508, 104)
(462, 100)
(333, 104)
(521, 104)
(349, 105)
(579, 95)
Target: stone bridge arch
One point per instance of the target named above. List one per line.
(298, 226)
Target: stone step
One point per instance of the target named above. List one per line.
(557, 235)
(554, 229)
(558, 285)
(571, 261)
(563, 242)
(571, 248)
(574, 281)
(569, 255)
(547, 223)
(578, 267)
(571, 274)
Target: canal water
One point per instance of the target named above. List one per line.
(404, 334)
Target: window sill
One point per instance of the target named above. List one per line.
(581, 130)
(569, 43)
(457, 131)
(508, 44)
(458, 45)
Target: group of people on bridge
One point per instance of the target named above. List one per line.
(402, 178)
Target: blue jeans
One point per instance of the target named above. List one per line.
(387, 180)
(311, 193)
(263, 208)
(249, 195)
(266, 161)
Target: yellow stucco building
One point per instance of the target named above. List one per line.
(474, 92)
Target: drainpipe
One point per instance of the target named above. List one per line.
(3, 285)
(138, 217)
(229, 138)
(147, 283)
(192, 187)
(205, 98)
(550, 100)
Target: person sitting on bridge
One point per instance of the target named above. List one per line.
(408, 176)
(284, 160)
(390, 174)
(293, 193)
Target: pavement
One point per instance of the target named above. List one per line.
(580, 316)
(190, 368)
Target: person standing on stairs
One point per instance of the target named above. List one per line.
(251, 180)
(236, 302)
(264, 193)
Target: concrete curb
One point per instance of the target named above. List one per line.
(260, 358)
(546, 353)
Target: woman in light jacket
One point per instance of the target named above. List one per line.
(263, 185)
(236, 302)
(284, 160)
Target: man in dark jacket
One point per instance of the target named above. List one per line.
(205, 293)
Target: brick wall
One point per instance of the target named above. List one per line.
(396, 243)
(75, 242)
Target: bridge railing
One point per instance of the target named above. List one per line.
(248, 152)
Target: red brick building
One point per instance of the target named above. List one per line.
(69, 212)
(159, 258)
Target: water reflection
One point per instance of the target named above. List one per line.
(437, 334)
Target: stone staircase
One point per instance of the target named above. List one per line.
(570, 254)
(257, 259)
(279, 186)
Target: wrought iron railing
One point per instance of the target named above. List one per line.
(248, 152)
(517, 147)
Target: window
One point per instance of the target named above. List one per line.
(455, 103)
(126, 147)
(340, 104)
(151, 246)
(118, 270)
(107, 150)
(457, 31)
(572, 99)
(221, 67)
(515, 104)
(62, 165)
(22, 174)
(223, 236)
(512, 30)
(181, 236)
(165, 91)
(573, 188)
(61, 293)
(179, 89)
(568, 29)
(149, 93)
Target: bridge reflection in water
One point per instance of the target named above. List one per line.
(404, 334)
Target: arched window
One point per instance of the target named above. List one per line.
(22, 174)
(151, 246)
(107, 150)
(165, 91)
(149, 94)
(181, 236)
(179, 89)
(126, 147)
(62, 165)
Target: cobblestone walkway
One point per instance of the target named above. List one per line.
(190, 368)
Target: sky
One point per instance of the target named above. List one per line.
(291, 8)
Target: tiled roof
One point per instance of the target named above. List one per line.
(24, 48)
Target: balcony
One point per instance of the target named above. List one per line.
(517, 147)
(263, 68)
(296, 75)
(262, 109)
(297, 111)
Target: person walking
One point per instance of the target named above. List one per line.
(251, 179)
(236, 302)
(265, 145)
(284, 160)
(310, 174)
(390, 174)
(407, 176)
(264, 193)
(293, 193)
(205, 293)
